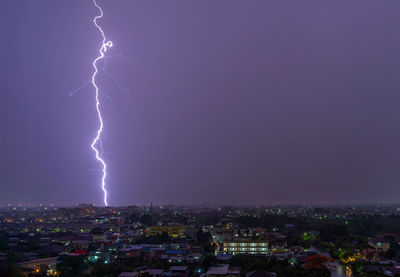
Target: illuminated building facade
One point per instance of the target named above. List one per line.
(237, 247)
(174, 231)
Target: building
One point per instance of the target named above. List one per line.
(260, 273)
(128, 274)
(178, 271)
(380, 244)
(153, 272)
(175, 231)
(246, 247)
(224, 270)
(43, 265)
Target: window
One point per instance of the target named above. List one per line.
(243, 244)
(233, 244)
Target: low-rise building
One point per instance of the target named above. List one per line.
(43, 265)
(246, 247)
(175, 231)
(260, 273)
(380, 244)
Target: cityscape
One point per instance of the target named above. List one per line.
(200, 138)
(150, 240)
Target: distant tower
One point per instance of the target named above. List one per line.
(151, 207)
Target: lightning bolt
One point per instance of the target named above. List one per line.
(97, 140)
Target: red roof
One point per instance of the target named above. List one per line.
(81, 252)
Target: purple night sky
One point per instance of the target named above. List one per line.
(227, 102)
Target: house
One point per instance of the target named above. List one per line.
(128, 274)
(217, 270)
(178, 271)
(379, 244)
(260, 273)
(223, 257)
(153, 272)
(234, 271)
(193, 257)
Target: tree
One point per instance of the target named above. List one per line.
(332, 232)
(71, 266)
(133, 218)
(146, 220)
(10, 269)
(181, 219)
(205, 240)
(318, 262)
(97, 231)
(208, 260)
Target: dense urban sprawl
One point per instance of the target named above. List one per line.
(200, 241)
